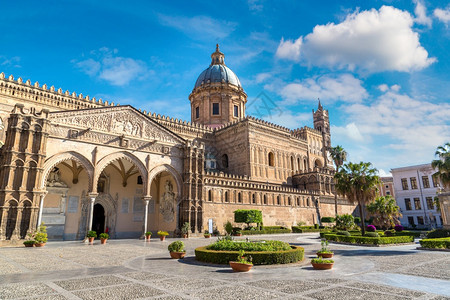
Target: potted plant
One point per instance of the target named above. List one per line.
(162, 235)
(148, 235)
(40, 237)
(91, 235)
(185, 229)
(322, 264)
(237, 231)
(207, 235)
(325, 252)
(103, 238)
(29, 243)
(242, 264)
(176, 250)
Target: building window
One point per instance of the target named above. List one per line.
(197, 112)
(239, 198)
(387, 186)
(298, 201)
(225, 161)
(388, 193)
(271, 159)
(278, 200)
(425, 182)
(404, 184)
(413, 183)
(289, 201)
(236, 111)
(215, 108)
(226, 196)
(435, 182)
(411, 221)
(430, 204)
(307, 201)
(420, 220)
(265, 199)
(408, 204)
(139, 180)
(417, 205)
(209, 195)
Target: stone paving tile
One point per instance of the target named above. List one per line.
(90, 282)
(186, 284)
(129, 291)
(235, 293)
(145, 276)
(385, 289)
(19, 290)
(437, 269)
(170, 297)
(8, 268)
(338, 293)
(51, 297)
(288, 286)
(441, 298)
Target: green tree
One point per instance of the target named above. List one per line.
(442, 165)
(358, 182)
(385, 212)
(248, 216)
(339, 155)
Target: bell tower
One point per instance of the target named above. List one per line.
(218, 97)
(322, 124)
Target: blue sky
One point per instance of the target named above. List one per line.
(381, 68)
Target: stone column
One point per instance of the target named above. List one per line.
(91, 210)
(16, 232)
(62, 205)
(146, 200)
(41, 208)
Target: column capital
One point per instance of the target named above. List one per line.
(93, 195)
(146, 198)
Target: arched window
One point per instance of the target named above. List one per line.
(239, 198)
(278, 200)
(298, 201)
(305, 165)
(253, 198)
(265, 199)
(271, 159)
(292, 164)
(226, 196)
(225, 161)
(210, 195)
(307, 202)
(298, 164)
(289, 201)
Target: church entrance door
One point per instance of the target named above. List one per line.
(98, 222)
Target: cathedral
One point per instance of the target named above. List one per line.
(77, 163)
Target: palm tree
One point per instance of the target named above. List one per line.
(358, 182)
(339, 155)
(442, 165)
(385, 212)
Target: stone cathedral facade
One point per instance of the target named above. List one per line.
(78, 163)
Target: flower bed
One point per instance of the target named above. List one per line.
(292, 255)
(440, 243)
(364, 240)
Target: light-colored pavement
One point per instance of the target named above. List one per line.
(131, 269)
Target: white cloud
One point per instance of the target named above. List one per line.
(116, 70)
(255, 5)
(10, 61)
(289, 49)
(344, 87)
(367, 41)
(383, 87)
(199, 27)
(383, 173)
(395, 87)
(288, 119)
(442, 14)
(350, 131)
(421, 14)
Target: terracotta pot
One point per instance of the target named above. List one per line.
(147, 237)
(177, 255)
(325, 255)
(237, 234)
(39, 244)
(185, 236)
(207, 236)
(29, 245)
(91, 240)
(239, 267)
(103, 241)
(162, 237)
(322, 266)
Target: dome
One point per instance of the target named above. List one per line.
(217, 71)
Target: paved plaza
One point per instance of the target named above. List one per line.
(131, 269)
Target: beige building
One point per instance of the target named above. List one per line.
(386, 186)
(78, 163)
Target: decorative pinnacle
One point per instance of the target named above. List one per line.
(217, 58)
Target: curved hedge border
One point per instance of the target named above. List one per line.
(441, 243)
(259, 258)
(358, 233)
(266, 231)
(364, 240)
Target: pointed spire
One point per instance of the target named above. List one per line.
(217, 58)
(320, 105)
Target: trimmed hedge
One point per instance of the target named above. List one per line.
(266, 230)
(304, 229)
(258, 258)
(365, 240)
(441, 243)
(227, 245)
(438, 233)
(327, 220)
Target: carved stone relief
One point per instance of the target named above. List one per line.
(167, 203)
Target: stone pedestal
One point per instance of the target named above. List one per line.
(444, 200)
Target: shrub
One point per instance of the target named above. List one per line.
(177, 246)
(345, 222)
(357, 220)
(248, 216)
(185, 228)
(346, 233)
(242, 259)
(148, 233)
(440, 243)
(316, 226)
(327, 219)
(30, 242)
(228, 227)
(324, 243)
(227, 245)
(372, 234)
(104, 235)
(91, 234)
(388, 233)
(40, 236)
(399, 228)
(365, 240)
(237, 230)
(371, 228)
(320, 260)
(266, 230)
(438, 233)
(294, 254)
(163, 233)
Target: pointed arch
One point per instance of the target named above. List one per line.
(172, 171)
